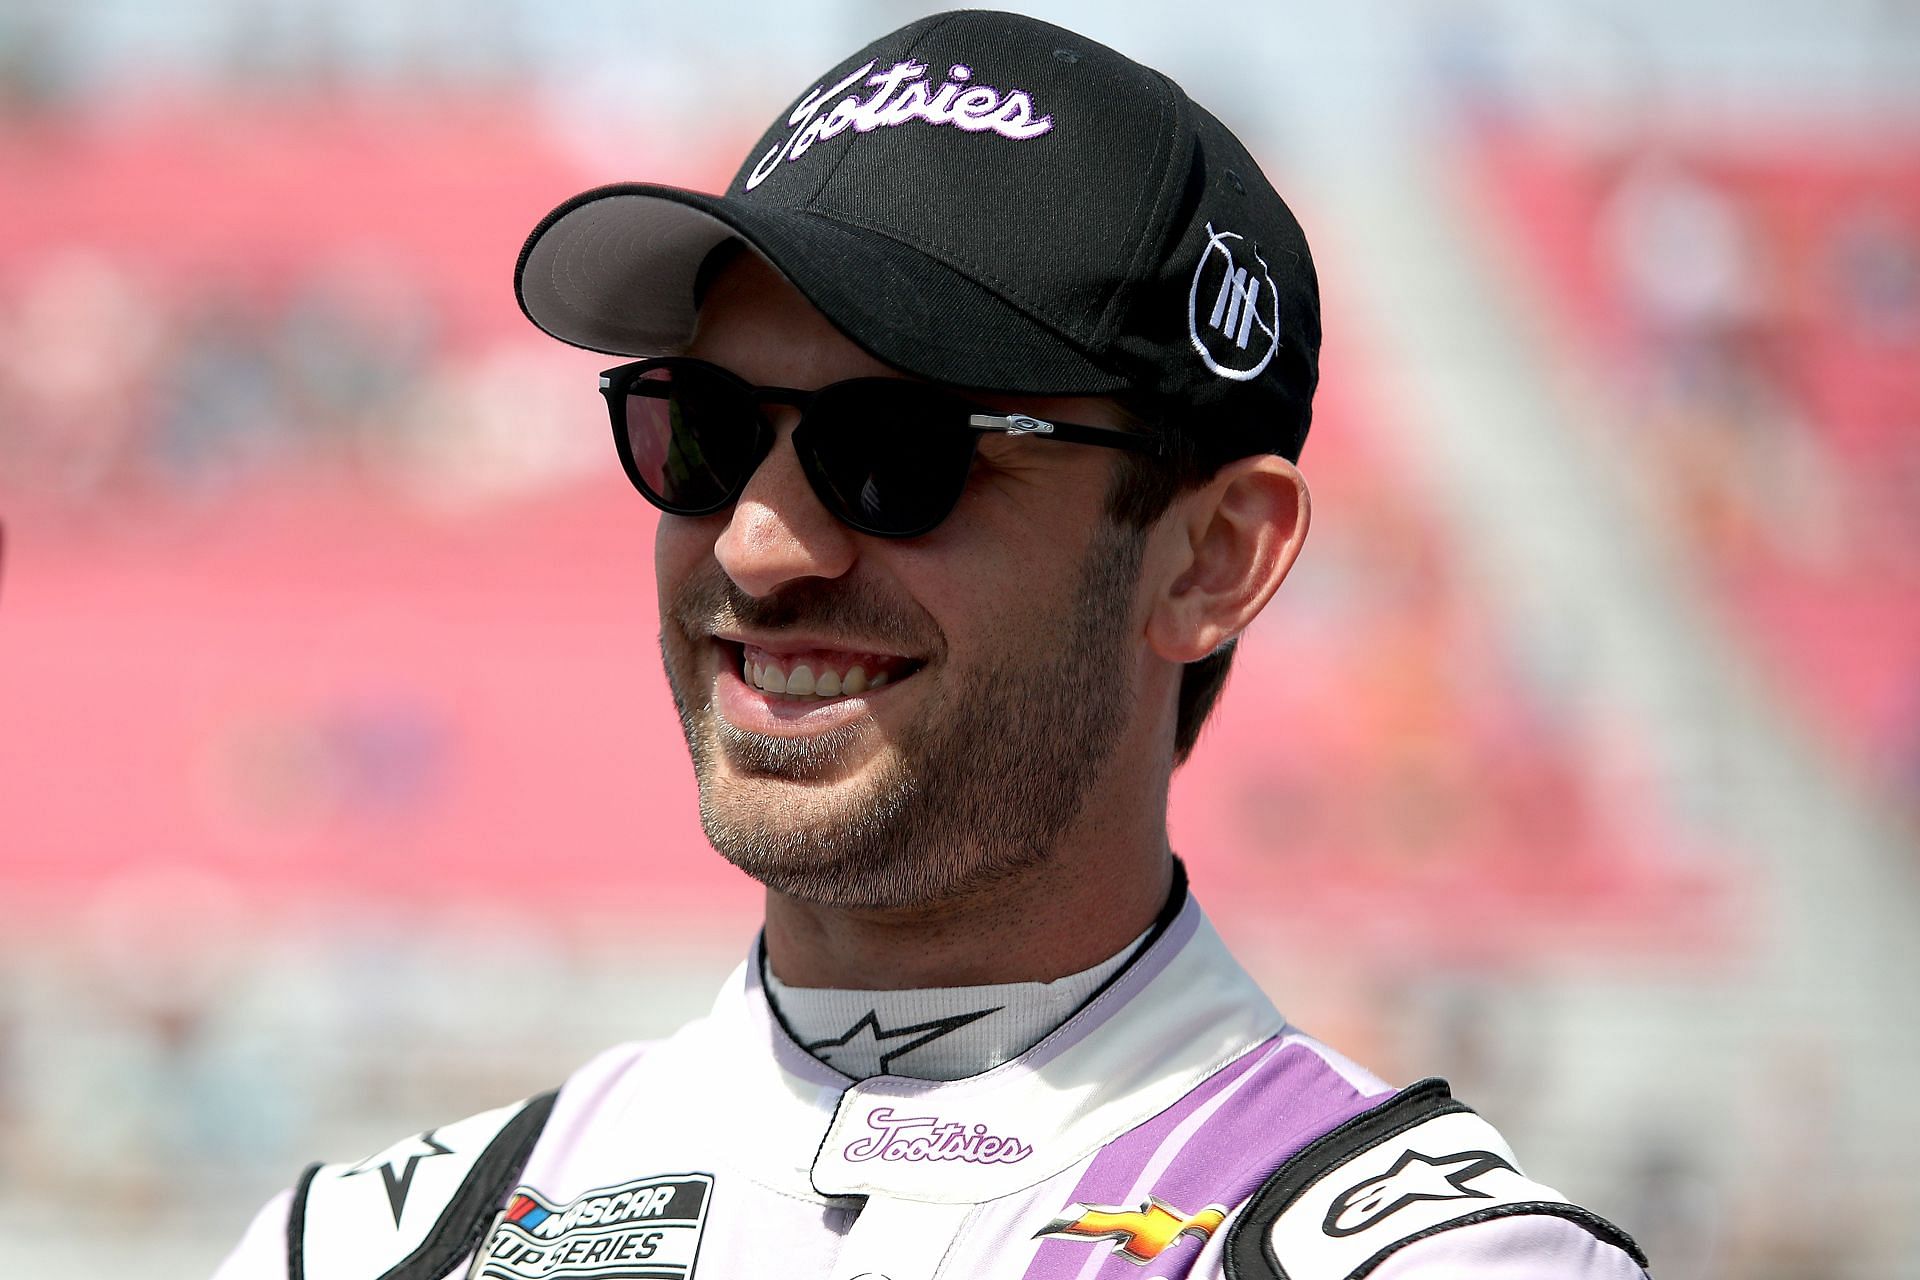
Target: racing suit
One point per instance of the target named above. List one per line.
(1175, 1126)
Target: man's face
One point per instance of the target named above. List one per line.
(998, 653)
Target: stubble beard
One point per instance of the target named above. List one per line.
(978, 790)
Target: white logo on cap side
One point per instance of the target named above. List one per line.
(901, 95)
(1235, 312)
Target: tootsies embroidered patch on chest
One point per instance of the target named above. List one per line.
(648, 1229)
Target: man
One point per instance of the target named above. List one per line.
(972, 407)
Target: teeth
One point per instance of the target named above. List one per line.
(802, 682)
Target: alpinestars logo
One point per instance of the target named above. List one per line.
(1233, 315)
(1414, 1177)
(866, 1040)
(1138, 1235)
(396, 1165)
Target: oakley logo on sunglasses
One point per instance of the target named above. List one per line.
(900, 95)
(1019, 424)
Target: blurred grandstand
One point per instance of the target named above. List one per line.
(1760, 293)
(1579, 762)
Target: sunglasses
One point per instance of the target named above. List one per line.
(887, 456)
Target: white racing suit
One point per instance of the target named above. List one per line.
(1175, 1126)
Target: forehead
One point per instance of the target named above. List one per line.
(757, 324)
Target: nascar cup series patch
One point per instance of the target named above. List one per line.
(648, 1229)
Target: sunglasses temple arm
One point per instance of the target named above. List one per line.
(1019, 424)
(1108, 438)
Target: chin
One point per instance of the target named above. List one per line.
(865, 844)
(813, 849)
(850, 842)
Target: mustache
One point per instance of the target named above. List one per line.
(710, 601)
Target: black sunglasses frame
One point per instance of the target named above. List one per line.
(630, 379)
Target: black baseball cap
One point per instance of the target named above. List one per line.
(988, 201)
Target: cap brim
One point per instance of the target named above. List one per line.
(613, 270)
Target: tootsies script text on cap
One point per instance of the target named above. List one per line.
(901, 95)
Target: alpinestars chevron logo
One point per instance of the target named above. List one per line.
(866, 1036)
(406, 1156)
(1139, 1235)
(1414, 1177)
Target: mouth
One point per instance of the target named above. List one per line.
(818, 675)
(803, 686)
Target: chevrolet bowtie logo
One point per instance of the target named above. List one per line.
(1139, 1235)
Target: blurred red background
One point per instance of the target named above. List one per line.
(340, 790)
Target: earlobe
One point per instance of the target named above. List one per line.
(1242, 533)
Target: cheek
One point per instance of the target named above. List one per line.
(994, 596)
(680, 547)
(1012, 555)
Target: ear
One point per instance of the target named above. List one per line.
(1230, 545)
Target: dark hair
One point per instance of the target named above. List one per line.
(1138, 493)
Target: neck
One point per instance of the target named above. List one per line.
(1079, 906)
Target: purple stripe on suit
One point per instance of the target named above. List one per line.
(1207, 1150)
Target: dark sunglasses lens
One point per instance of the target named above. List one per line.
(887, 458)
(692, 437)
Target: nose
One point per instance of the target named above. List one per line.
(778, 531)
